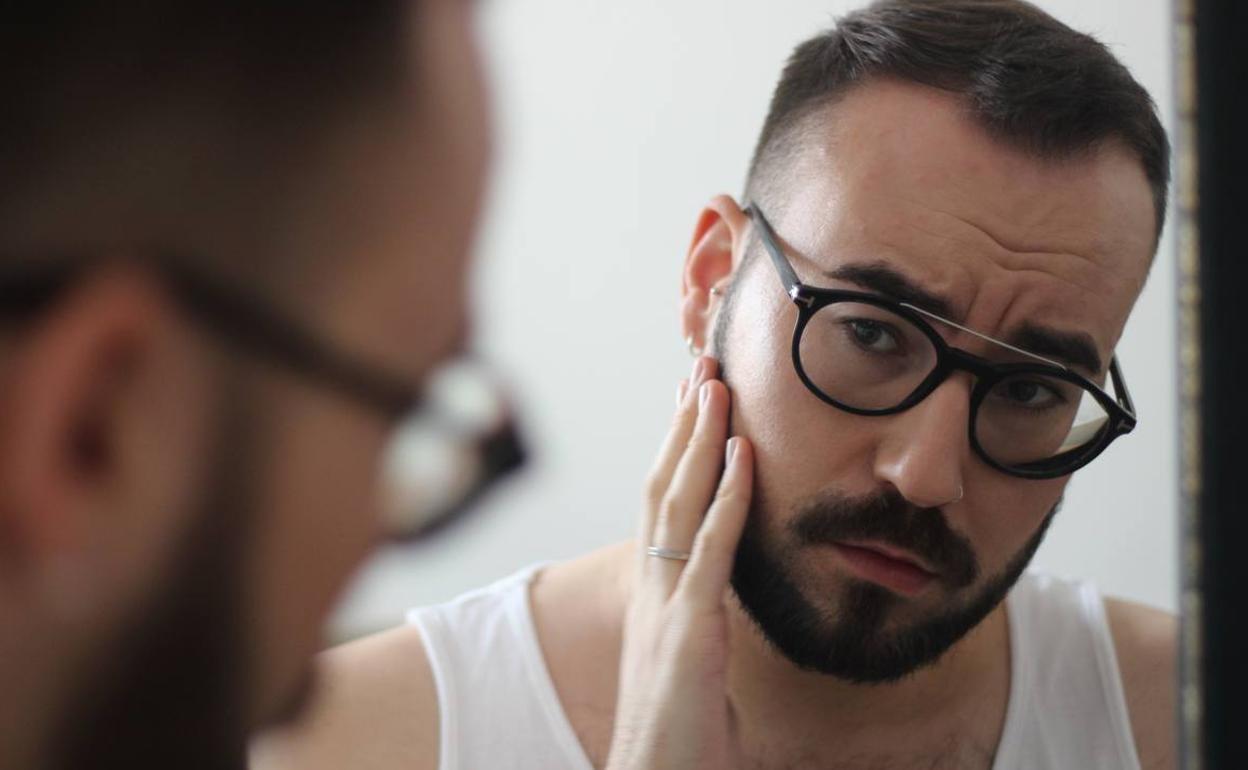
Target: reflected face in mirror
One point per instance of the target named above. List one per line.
(876, 542)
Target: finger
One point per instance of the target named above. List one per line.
(674, 445)
(694, 481)
(706, 577)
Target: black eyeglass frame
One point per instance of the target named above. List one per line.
(949, 359)
(248, 322)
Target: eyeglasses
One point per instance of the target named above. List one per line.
(452, 439)
(867, 354)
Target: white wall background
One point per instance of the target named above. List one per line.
(616, 122)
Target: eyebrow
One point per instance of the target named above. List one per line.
(887, 281)
(1075, 349)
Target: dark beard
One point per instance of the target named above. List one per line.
(854, 643)
(170, 692)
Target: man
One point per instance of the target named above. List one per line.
(233, 250)
(951, 210)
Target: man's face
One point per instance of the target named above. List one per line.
(895, 176)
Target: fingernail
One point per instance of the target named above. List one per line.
(732, 450)
(704, 393)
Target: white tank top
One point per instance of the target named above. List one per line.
(499, 708)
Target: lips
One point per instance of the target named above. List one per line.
(885, 566)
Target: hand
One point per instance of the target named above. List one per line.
(673, 710)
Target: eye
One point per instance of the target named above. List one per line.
(1029, 394)
(872, 335)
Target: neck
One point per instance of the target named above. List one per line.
(784, 705)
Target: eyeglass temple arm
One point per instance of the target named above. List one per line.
(788, 276)
(1120, 387)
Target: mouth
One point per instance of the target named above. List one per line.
(886, 566)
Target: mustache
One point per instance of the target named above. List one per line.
(887, 517)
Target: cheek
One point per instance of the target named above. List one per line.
(316, 522)
(1002, 514)
(801, 445)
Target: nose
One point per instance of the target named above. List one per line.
(923, 450)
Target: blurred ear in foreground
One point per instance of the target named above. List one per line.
(98, 403)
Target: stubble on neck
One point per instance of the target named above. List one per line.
(791, 716)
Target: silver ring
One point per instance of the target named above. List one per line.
(659, 552)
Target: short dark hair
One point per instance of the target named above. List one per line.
(1029, 79)
(195, 104)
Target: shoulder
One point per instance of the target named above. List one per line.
(578, 614)
(578, 607)
(375, 709)
(1146, 644)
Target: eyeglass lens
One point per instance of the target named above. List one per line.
(869, 358)
(445, 454)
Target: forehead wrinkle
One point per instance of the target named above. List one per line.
(983, 304)
(1022, 332)
(1008, 248)
(1008, 252)
(1088, 277)
(1085, 274)
(1020, 313)
(1080, 297)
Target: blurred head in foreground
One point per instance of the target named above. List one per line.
(231, 240)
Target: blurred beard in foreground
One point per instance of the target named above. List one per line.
(172, 690)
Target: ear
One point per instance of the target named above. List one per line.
(719, 242)
(74, 384)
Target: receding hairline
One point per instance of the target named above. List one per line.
(1029, 77)
(772, 171)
